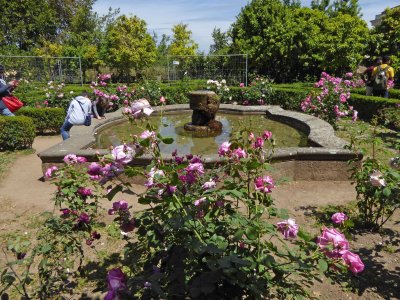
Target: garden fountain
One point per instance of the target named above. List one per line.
(205, 105)
(322, 157)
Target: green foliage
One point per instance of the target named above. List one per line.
(376, 183)
(46, 120)
(181, 43)
(129, 46)
(58, 251)
(288, 43)
(338, 6)
(220, 242)
(368, 106)
(221, 42)
(16, 133)
(390, 117)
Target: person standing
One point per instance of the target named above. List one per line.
(79, 108)
(367, 76)
(381, 75)
(5, 90)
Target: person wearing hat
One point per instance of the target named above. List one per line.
(5, 90)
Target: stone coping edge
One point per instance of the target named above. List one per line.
(328, 147)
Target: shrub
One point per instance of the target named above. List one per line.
(393, 93)
(45, 119)
(16, 133)
(368, 106)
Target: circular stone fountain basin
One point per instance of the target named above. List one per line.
(185, 142)
(323, 159)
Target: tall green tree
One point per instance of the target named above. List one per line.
(182, 43)
(350, 7)
(129, 46)
(24, 24)
(221, 42)
(290, 43)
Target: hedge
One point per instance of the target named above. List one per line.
(393, 93)
(46, 120)
(16, 133)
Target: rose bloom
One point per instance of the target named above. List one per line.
(49, 172)
(376, 179)
(259, 143)
(267, 135)
(209, 184)
(334, 238)
(115, 282)
(147, 134)
(353, 261)
(70, 159)
(339, 217)
(122, 154)
(239, 153)
(196, 167)
(224, 148)
(141, 107)
(264, 184)
(288, 228)
(200, 201)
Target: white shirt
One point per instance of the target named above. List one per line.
(76, 115)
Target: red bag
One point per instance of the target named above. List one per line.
(12, 103)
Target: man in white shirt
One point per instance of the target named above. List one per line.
(78, 109)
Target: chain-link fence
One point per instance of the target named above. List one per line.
(43, 69)
(232, 68)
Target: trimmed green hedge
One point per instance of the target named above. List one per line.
(368, 106)
(16, 133)
(46, 120)
(393, 93)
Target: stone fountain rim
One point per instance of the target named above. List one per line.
(320, 133)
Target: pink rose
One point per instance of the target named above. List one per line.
(334, 239)
(353, 262)
(49, 172)
(264, 184)
(288, 228)
(339, 218)
(224, 148)
(267, 135)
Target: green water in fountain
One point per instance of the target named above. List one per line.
(171, 125)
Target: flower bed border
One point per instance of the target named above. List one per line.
(326, 160)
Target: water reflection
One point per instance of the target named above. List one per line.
(184, 142)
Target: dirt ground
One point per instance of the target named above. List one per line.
(24, 194)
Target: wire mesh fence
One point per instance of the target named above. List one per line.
(232, 67)
(43, 69)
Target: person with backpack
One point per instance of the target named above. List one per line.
(381, 76)
(367, 76)
(79, 113)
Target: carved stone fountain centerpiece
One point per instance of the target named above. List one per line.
(205, 105)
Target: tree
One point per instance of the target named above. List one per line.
(182, 44)
(129, 46)
(25, 24)
(288, 43)
(350, 7)
(221, 42)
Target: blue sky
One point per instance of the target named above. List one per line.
(203, 16)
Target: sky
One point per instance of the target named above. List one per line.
(202, 16)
